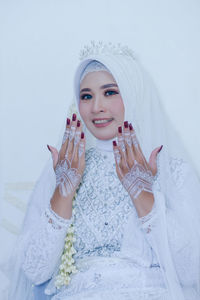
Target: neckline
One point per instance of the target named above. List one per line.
(105, 145)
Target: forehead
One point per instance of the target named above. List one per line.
(96, 79)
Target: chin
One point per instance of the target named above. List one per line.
(104, 136)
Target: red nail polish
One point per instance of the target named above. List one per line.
(74, 117)
(126, 124)
(78, 123)
(68, 121)
(160, 148)
(48, 148)
(130, 126)
(114, 143)
(120, 129)
(82, 135)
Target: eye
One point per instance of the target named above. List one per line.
(85, 97)
(110, 93)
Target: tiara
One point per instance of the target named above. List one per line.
(96, 48)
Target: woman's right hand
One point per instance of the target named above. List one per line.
(68, 164)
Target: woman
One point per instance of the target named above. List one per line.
(136, 210)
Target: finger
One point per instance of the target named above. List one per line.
(135, 143)
(77, 136)
(54, 155)
(77, 139)
(81, 152)
(128, 144)
(117, 156)
(65, 140)
(138, 154)
(153, 159)
(121, 146)
(81, 145)
(70, 146)
(67, 130)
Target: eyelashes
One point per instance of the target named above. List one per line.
(84, 95)
(111, 93)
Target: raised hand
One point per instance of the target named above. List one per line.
(135, 173)
(69, 162)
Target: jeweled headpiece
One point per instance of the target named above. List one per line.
(96, 48)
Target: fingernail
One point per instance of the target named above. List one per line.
(49, 148)
(114, 143)
(74, 117)
(126, 124)
(82, 135)
(68, 121)
(130, 126)
(160, 148)
(120, 129)
(78, 123)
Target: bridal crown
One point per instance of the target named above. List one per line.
(96, 48)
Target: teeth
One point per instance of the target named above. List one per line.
(102, 121)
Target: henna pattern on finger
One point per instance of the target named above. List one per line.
(117, 156)
(127, 138)
(138, 179)
(121, 143)
(122, 146)
(77, 137)
(134, 139)
(72, 133)
(66, 135)
(81, 149)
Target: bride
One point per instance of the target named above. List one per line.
(118, 214)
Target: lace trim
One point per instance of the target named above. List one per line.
(55, 220)
(144, 221)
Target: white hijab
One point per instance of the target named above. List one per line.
(144, 110)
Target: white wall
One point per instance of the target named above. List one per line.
(40, 42)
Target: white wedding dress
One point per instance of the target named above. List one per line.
(115, 249)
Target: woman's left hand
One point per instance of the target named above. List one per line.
(135, 173)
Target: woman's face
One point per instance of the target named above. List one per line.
(101, 106)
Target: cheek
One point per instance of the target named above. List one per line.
(83, 110)
(118, 109)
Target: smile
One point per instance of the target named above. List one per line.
(102, 122)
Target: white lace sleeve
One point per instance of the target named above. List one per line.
(44, 246)
(148, 220)
(180, 243)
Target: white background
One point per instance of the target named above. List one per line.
(40, 42)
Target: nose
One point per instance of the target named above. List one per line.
(98, 105)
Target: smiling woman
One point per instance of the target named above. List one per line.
(102, 106)
(112, 218)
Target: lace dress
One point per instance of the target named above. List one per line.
(114, 255)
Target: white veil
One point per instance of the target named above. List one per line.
(180, 190)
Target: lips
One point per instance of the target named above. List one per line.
(102, 121)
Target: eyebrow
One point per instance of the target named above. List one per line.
(102, 87)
